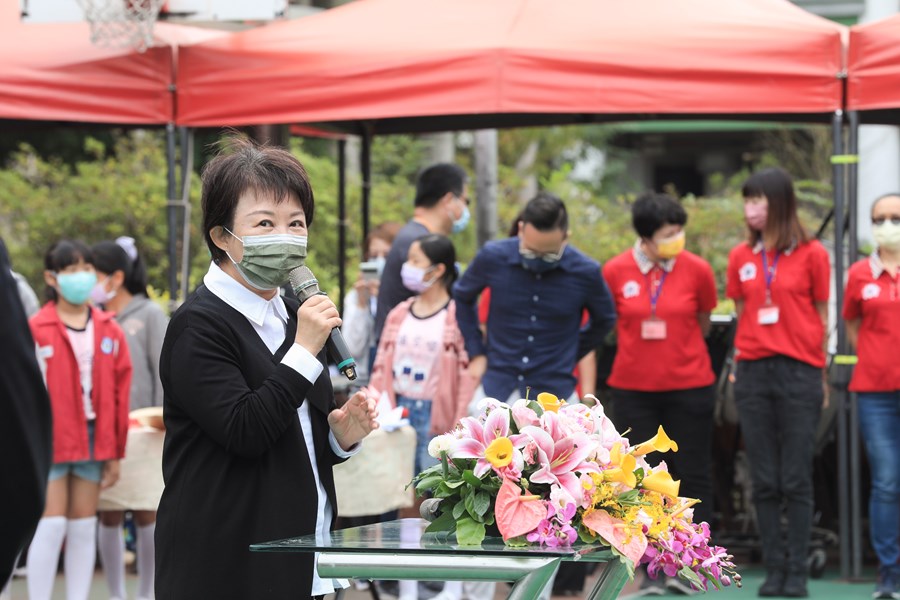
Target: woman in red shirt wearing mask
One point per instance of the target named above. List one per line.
(872, 315)
(779, 280)
(662, 373)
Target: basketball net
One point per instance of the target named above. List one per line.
(121, 23)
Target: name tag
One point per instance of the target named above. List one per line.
(45, 351)
(653, 329)
(768, 315)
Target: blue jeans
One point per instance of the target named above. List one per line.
(420, 420)
(779, 402)
(879, 420)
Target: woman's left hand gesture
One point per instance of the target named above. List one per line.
(354, 420)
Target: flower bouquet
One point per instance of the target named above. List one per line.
(547, 472)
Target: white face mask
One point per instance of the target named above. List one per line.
(414, 278)
(887, 235)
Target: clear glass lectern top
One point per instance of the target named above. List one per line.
(385, 538)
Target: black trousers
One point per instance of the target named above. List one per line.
(779, 403)
(687, 417)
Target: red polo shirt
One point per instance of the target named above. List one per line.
(681, 360)
(801, 278)
(872, 296)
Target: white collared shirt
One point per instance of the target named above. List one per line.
(269, 319)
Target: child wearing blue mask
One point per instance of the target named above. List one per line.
(88, 373)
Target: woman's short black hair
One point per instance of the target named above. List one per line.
(62, 254)
(437, 181)
(545, 212)
(652, 211)
(440, 251)
(243, 165)
(110, 257)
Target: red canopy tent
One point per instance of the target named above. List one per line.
(52, 72)
(445, 64)
(873, 67)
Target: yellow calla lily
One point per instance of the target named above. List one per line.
(549, 402)
(620, 475)
(658, 443)
(661, 482)
(500, 452)
(624, 472)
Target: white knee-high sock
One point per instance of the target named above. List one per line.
(111, 544)
(146, 561)
(43, 557)
(80, 557)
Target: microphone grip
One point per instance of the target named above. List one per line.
(340, 354)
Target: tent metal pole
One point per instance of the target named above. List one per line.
(840, 395)
(342, 221)
(852, 182)
(187, 170)
(172, 214)
(366, 168)
(853, 252)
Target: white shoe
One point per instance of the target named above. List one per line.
(445, 595)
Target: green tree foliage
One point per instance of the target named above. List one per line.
(103, 196)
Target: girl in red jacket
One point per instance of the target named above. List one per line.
(88, 379)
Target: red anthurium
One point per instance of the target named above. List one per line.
(517, 514)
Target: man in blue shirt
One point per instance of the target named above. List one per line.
(441, 206)
(540, 286)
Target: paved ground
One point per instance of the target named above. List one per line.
(828, 588)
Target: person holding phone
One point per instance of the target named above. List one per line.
(361, 303)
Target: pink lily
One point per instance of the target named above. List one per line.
(481, 435)
(559, 459)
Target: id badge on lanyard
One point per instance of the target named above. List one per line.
(654, 328)
(769, 314)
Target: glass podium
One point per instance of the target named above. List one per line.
(377, 552)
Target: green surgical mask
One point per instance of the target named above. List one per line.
(269, 259)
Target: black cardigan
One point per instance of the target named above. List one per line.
(235, 464)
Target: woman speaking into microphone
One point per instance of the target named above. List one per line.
(252, 430)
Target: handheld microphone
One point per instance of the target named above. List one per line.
(305, 285)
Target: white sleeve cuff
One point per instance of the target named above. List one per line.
(299, 359)
(340, 452)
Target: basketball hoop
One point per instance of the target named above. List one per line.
(122, 23)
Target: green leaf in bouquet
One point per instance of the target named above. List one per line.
(587, 536)
(688, 574)
(709, 577)
(469, 532)
(454, 484)
(482, 503)
(537, 408)
(444, 522)
(470, 478)
(428, 483)
(471, 508)
(630, 498)
(459, 509)
(517, 542)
